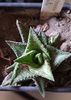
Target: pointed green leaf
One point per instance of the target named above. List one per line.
(39, 58)
(43, 38)
(44, 71)
(40, 83)
(7, 79)
(53, 39)
(23, 31)
(35, 44)
(57, 56)
(27, 58)
(15, 72)
(10, 77)
(24, 75)
(17, 47)
(11, 68)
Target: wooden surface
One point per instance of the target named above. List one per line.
(49, 96)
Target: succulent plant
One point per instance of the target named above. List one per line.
(40, 56)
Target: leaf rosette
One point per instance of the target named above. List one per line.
(39, 54)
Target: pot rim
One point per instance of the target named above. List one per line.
(28, 5)
(34, 88)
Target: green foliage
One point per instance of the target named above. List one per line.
(17, 47)
(16, 70)
(40, 83)
(27, 58)
(43, 38)
(57, 56)
(53, 39)
(24, 75)
(22, 30)
(34, 43)
(44, 71)
(7, 79)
